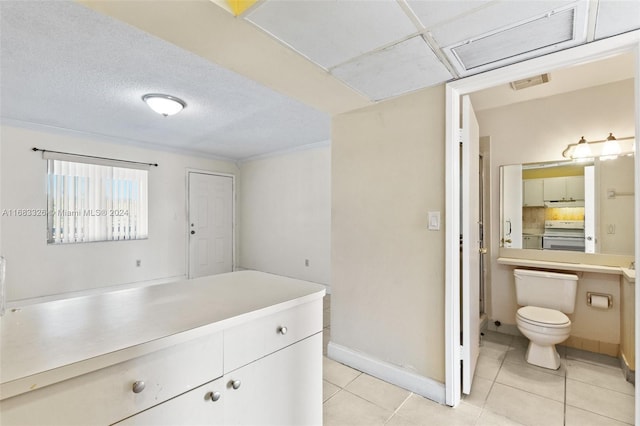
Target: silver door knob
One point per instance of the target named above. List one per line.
(213, 396)
(282, 330)
(236, 384)
(483, 250)
(138, 386)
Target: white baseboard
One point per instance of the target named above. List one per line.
(398, 376)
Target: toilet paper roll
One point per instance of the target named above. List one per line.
(600, 302)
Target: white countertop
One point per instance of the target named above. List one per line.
(44, 343)
(629, 274)
(564, 266)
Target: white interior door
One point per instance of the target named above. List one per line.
(470, 244)
(210, 224)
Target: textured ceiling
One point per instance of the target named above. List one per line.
(294, 62)
(66, 66)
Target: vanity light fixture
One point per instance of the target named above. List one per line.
(607, 149)
(611, 148)
(164, 104)
(582, 150)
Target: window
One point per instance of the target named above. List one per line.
(95, 202)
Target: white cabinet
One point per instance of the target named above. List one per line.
(107, 395)
(284, 388)
(201, 406)
(257, 331)
(532, 193)
(568, 188)
(575, 187)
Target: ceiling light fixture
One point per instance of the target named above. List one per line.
(164, 104)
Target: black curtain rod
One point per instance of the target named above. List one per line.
(92, 156)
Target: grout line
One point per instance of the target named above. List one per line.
(399, 406)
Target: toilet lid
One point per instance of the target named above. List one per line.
(543, 316)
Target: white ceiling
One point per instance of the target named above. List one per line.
(85, 69)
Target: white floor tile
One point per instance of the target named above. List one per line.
(608, 403)
(489, 418)
(524, 407)
(328, 390)
(378, 391)
(531, 380)
(578, 417)
(479, 392)
(487, 367)
(423, 411)
(347, 409)
(338, 374)
(599, 375)
(516, 355)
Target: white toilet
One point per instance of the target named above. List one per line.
(544, 296)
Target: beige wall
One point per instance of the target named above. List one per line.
(36, 269)
(537, 131)
(388, 280)
(285, 214)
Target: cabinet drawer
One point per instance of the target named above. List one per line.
(106, 395)
(196, 407)
(261, 336)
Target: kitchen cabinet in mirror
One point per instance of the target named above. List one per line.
(585, 206)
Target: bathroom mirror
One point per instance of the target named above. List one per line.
(583, 206)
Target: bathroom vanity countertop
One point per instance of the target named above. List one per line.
(629, 274)
(50, 342)
(578, 267)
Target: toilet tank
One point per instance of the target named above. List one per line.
(551, 290)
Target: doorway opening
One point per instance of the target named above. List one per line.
(455, 91)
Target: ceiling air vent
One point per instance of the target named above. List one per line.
(534, 37)
(530, 82)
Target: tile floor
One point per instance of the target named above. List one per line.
(588, 389)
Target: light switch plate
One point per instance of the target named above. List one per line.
(434, 221)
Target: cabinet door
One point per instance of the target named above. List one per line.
(575, 187)
(196, 407)
(284, 388)
(532, 193)
(555, 189)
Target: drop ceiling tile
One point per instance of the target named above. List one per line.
(435, 12)
(496, 15)
(616, 17)
(401, 68)
(332, 32)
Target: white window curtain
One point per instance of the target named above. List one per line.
(95, 202)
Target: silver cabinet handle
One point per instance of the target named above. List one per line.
(282, 330)
(213, 396)
(138, 386)
(235, 384)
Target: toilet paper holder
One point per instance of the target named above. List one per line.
(607, 296)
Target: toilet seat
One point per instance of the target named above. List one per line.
(543, 317)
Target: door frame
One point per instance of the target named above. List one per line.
(624, 43)
(233, 215)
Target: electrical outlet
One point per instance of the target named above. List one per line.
(306, 262)
(138, 263)
(611, 229)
